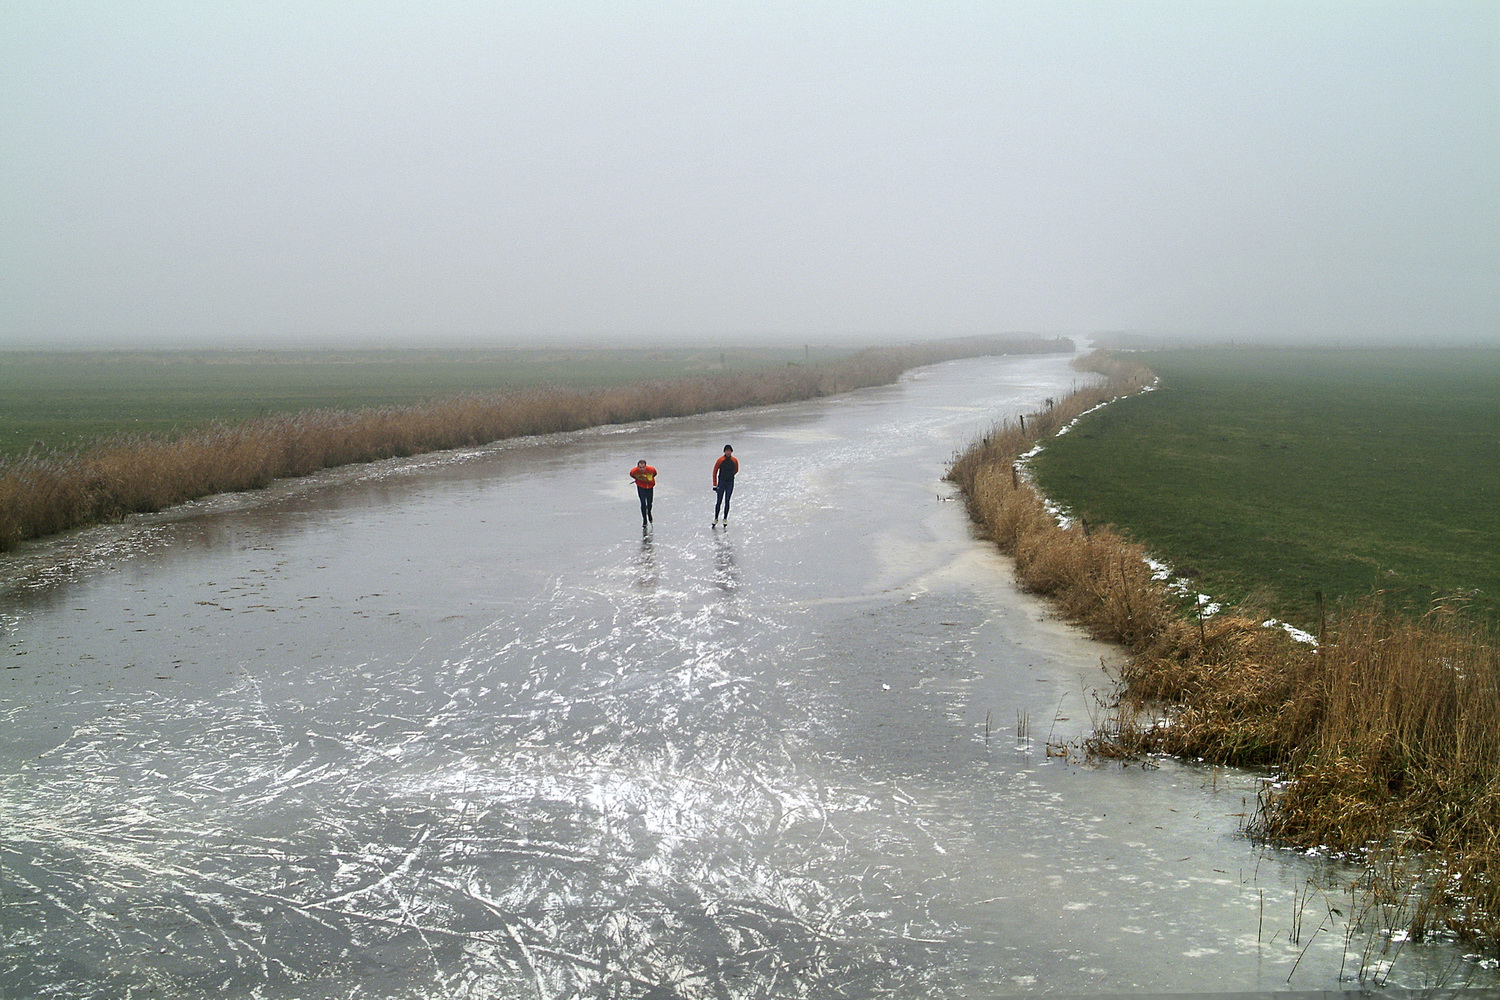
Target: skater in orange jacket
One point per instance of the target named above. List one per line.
(645, 485)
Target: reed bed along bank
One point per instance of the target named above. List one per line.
(1384, 735)
(42, 494)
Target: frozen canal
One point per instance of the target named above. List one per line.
(453, 728)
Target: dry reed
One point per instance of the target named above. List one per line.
(1386, 734)
(42, 494)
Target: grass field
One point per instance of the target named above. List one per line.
(66, 399)
(1272, 475)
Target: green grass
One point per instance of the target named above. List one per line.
(68, 399)
(1273, 474)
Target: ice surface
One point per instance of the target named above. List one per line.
(456, 728)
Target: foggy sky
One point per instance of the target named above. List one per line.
(310, 173)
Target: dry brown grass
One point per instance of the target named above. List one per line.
(1096, 577)
(48, 493)
(1386, 734)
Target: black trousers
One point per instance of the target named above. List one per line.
(645, 495)
(724, 491)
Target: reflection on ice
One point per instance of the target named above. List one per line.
(646, 575)
(726, 573)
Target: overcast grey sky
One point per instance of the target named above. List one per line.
(435, 172)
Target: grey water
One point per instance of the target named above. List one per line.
(456, 726)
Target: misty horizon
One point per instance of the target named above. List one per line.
(446, 175)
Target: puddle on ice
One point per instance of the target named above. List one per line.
(465, 733)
